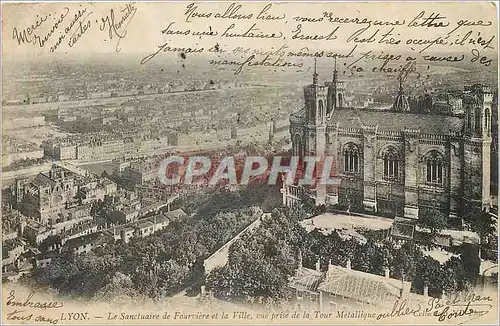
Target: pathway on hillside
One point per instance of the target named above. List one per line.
(221, 256)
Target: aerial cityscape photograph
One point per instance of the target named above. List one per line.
(87, 214)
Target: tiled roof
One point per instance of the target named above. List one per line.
(43, 180)
(94, 238)
(361, 286)
(144, 224)
(176, 214)
(160, 218)
(396, 121)
(80, 227)
(129, 228)
(37, 227)
(307, 280)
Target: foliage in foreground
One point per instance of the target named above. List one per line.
(261, 263)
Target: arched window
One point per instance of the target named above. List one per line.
(352, 157)
(392, 161)
(340, 100)
(297, 146)
(469, 121)
(434, 169)
(321, 109)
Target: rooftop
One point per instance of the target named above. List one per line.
(307, 280)
(77, 228)
(391, 121)
(144, 224)
(357, 285)
(396, 121)
(94, 238)
(160, 218)
(37, 227)
(43, 180)
(177, 214)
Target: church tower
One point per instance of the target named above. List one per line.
(401, 103)
(477, 102)
(316, 98)
(336, 92)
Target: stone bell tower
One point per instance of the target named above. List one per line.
(316, 98)
(478, 100)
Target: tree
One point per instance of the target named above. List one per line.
(120, 290)
(218, 281)
(405, 260)
(259, 263)
(471, 261)
(454, 276)
(435, 220)
(483, 224)
(429, 273)
(362, 259)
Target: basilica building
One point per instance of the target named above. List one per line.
(394, 162)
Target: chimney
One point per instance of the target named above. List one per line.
(387, 273)
(318, 269)
(426, 290)
(405, 290)
(348, 265)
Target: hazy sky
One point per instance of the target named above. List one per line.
(141, 29)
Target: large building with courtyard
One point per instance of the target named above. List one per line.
(395, 162)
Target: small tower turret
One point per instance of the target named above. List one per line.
(336, 91)
(316, 99)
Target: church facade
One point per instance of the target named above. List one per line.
(394, 162)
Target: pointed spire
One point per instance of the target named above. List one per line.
(315, 75)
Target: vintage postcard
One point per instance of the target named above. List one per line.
(249, 163)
